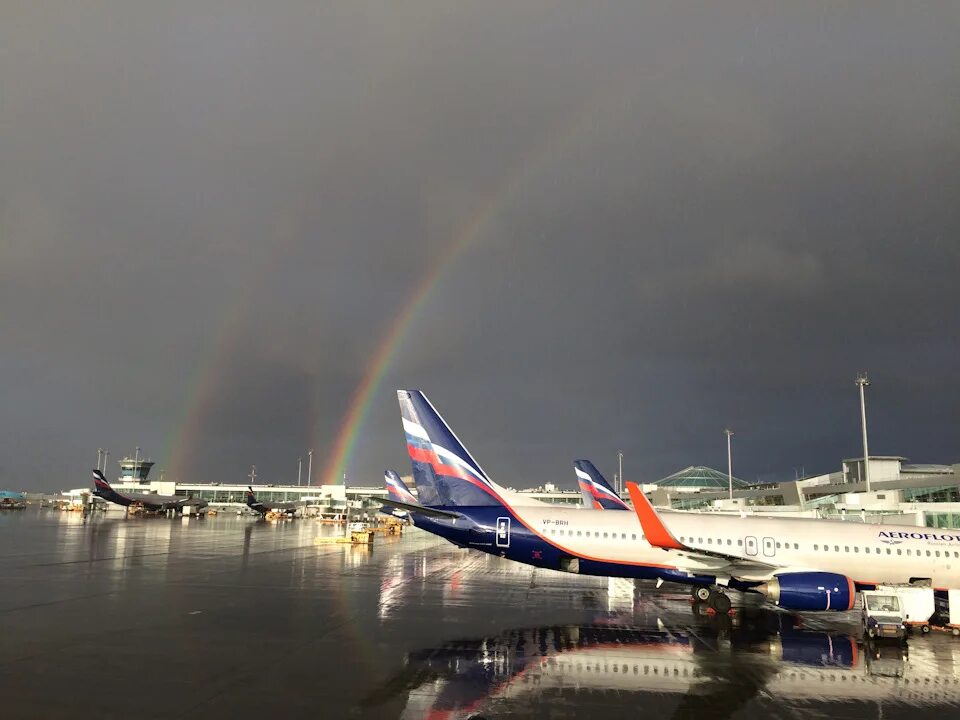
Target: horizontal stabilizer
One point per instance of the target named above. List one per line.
(414, 507)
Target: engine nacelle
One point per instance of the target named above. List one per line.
(810, 591)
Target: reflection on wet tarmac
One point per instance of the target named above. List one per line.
(715, 665)
(238, 618)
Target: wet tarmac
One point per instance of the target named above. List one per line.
(233, 617)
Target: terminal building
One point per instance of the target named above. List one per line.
(914, 494)
(900, 492)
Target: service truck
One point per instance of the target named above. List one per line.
(881, 615)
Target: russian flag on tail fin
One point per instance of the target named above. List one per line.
(445, 472)
(100, 482)
(396, 488)
(597, 492)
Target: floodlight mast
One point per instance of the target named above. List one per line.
(729, 433)
(863, 382)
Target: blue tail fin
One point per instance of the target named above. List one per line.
(100, 484)
(397, 489)
(597, 492)
(252, 500)
(443, 469)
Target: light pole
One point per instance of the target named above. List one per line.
(620, 475)
(99, 453)
(862, 382)
(106, 454)
(299, 469)
(729, 433)
(310, 467)
(253, 474)
(136, 465)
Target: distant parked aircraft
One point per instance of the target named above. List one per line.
(263, 508)
(149, 501)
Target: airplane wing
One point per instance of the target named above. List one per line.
(658, 535)
(422, 509)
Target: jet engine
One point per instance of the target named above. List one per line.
(810, 591)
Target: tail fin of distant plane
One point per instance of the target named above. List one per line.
(443, 469)
(100, 482)
(396, 488)
(597, 492)
(252, 501)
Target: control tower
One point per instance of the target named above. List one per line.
(134, 470)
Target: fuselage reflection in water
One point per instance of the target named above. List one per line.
(712, 670)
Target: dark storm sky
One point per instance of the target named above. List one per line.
(693, 215)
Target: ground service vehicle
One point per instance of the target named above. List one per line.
(882, 615)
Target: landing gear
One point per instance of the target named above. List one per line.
(720, 602)
(716, 599)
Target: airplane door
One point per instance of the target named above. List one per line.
(750, 543)
(769, 547)
(503, 532)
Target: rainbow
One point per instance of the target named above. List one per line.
(546, 151)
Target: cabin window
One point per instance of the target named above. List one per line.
(956, 554)
(778, 546)
(623, 536)
(634, 536)
(937, 553)
(816, 547)
(700, 540)
(836, 548)
(846, 548)
(740, 541)
(710, 541)
(729, 541)
(889, 552)
(578, 533)
(796, 546)
(856, 549)
(928, 553)
(900, 552)
(909, 552)
(866, 550)
(604, 534)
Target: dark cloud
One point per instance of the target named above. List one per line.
(680, 217)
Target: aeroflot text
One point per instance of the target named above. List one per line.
(919, 536)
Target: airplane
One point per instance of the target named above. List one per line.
(796, 563)
(397, 490)
(288, 508)
(149, 501)
(597, 492)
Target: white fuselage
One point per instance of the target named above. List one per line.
(865, 553)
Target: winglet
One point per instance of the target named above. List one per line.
(653, 528)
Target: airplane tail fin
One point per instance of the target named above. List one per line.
(444, 470)
(396, 488)
(597, 492)
(100, 482)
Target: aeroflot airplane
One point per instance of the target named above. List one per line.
(597, 492)
(797, 563)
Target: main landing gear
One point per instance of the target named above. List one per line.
(713, 597)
